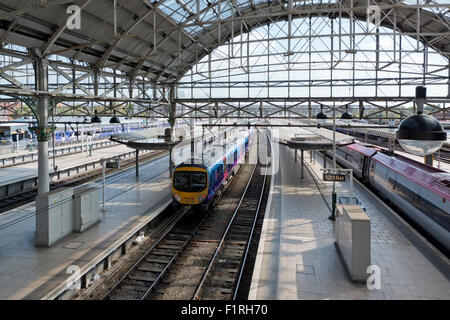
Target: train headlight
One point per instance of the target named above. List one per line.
(421, 134)
(177, 197)
(201, 198)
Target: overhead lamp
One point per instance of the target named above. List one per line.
(114, 119)
(96, 118)
(321, 115)
(346, 115)
(421, 134)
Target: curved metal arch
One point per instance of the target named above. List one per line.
(272, 9)
(37, 29)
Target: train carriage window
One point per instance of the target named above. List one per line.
(434, 212)
(405, 193)
(188, 181)
(198, 181)
(361, 163)
(429, 209)
(391, 183)
(446, 183)
(180, 179)
(349, 157)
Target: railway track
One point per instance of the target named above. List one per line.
(201, 255)
(222, 277)
(17, 200)
(146, 278)
(138, 282)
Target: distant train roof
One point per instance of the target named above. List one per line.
(13, 127)
(213, 154)
(367, 151)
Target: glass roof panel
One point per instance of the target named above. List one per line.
(438, 9)
(203, 4)
(181, 10)
(242, 3)
(175, 10)
(193, 30)
(225, 9)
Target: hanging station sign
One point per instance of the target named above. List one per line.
(338, 177)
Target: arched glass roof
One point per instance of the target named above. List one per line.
(161, 40)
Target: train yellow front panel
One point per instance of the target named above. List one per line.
(190, 198)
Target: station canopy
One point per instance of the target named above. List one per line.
(162, 40)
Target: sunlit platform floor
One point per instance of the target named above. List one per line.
(297, 258)
(29, 272)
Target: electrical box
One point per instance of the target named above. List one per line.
(54, 216)
(353, 240)
(86, 208)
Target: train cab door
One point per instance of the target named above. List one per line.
(365, 169)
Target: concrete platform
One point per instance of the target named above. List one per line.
(27, 272)
(60, 149)
(297, 258)
(24, 171)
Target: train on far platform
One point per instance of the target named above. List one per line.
(419, 191)
(200, 181)
(72, 132)
(64, 135)
(67, 133)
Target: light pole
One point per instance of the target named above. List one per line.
(103, 183)
(333, 194)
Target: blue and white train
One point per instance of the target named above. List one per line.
(200, 182)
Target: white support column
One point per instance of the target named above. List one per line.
(41, 71)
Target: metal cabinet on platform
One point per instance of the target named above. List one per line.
(86, 208)
(54, 216)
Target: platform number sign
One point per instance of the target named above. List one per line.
(334, 177)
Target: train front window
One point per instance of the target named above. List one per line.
(189, 181)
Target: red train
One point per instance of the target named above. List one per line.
(421, 192)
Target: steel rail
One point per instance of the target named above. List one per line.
(179, 214)
(249, 241)
(222, 240)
